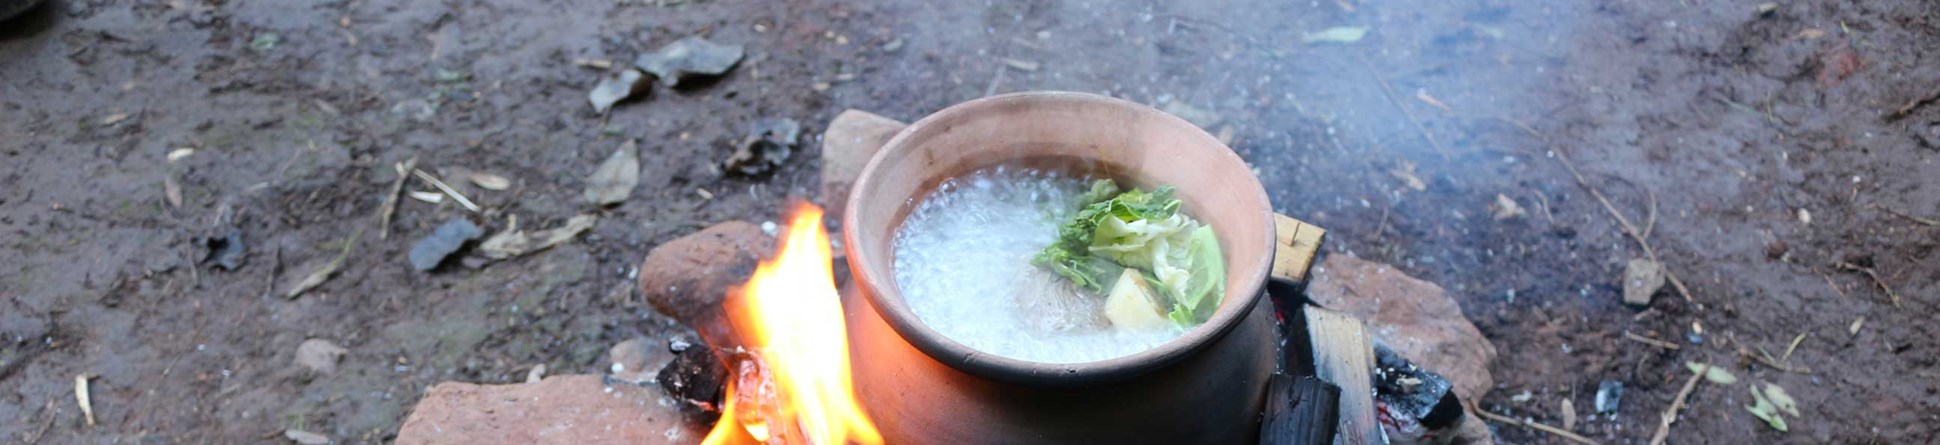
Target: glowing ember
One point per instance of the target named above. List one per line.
(794, 386)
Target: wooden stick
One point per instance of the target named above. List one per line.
(1385, 88)
(446, 188)
(1875, 276)
(1670, 414)
(390, 202)
(1926, 221)
(1641, 236)
(1532, 424)
(1651, 341)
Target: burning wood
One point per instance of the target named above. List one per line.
(791, 383)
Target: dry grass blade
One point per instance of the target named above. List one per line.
(81, 396)
(1876, 280)
(1670, 414)
(1559, 432)
(1642, 236)
(328, 270)
(1908, 216)
(447, 189)
(1651, 341)
(390, 203)
(1389, 90)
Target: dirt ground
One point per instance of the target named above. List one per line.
(1774, 146)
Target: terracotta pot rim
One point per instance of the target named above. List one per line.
(888, 303)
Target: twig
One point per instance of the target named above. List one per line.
(1670, 414)
(1911, 105)
(1389, 90)
(1532, 424)
(390, 201)
(1641, 236)
(47, 412)
(1835, 286)
(1766, 359)
(1876, 280)
(446, 188)
(1650, 222)
(1651, 341)
(995, 79)
(1896, 212)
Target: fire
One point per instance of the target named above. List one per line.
(793, 385)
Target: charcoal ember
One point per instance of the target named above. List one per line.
(695, 377)
(1414, 405)
(757, 401)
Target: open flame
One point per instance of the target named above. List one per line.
(792, 385)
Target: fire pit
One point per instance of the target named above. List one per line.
(1206, 386)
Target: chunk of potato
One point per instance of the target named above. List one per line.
(1132, 305)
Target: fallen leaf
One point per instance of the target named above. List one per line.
(430, 197)
(1505, 208)
(1339, 34)
(490, 181)
(1569, 415)
(616, 87)
(302, 437)
(513, 242)
(537, 373)
(689, 57)
(81, 396)
(765, 148)
(1642, 278)
(172, 191)
(1780, 399)
(1765, 410)
(319, 355)
(613, 182)
(1714, 374)
(1406, 173)
(179, 153)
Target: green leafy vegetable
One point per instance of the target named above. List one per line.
(1141, 230)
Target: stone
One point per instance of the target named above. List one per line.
(688, 277)
(1641, 279)
(1413, 317)
(636, 360)
(432, 250)
(319, 355)
(851, 139)
(574, 409)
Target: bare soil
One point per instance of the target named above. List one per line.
(1773, 145)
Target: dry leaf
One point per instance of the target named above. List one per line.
(617, 87)
(302, 437)
(1569, 415)
(513, 242)
(1714, 374)
(613, 182)
(1406, 173)
(490, 181)
(172, 191)
(179, 153)
(1339, 34)
(81, 395)
(430, 197)
(1505, 208)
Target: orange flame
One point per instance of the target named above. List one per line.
(790, 314)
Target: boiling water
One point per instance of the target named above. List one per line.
(963, 264)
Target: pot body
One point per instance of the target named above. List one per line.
(1212, 397)
(1205, 386)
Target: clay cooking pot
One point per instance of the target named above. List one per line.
(921, 387)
